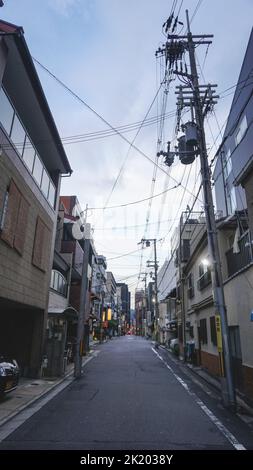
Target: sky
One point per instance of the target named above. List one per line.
(104, 51)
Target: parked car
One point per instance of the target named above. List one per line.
(9, 374)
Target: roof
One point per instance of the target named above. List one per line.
(15, 36)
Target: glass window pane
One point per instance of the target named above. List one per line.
(52, 279)
(18, 134)
(51, 194)
(37, 170)
(45, 183)
(56, 277)
(60, 284)
(29, 154)
(6, 111)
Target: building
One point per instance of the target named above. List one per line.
(125, 303)
(73, 242)
(62, 317)
(110, 307)
(233, 188)
(32, 160)
(140, 311)
(98, 292)
(235, 150)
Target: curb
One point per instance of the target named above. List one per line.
(43, 394)
(242, 404)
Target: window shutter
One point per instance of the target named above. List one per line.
(41, 245)
(19, 238)
(11, 217)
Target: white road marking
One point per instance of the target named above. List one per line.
(229, 436)
(10, 426)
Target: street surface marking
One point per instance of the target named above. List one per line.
(10, 426)
(229, 436)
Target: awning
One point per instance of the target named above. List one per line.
(68, 312)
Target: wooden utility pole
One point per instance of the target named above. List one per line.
(200, 99)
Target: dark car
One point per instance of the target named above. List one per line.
(9, 374)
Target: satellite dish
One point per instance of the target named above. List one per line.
(77, 231)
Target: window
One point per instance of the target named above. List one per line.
(37, 170)
(231, 198)
(18, 135)
(14, 223)
(240, 131)
(45, 183)
(6, 112)
(29, 154)
(204, 276)
(41, 247)
(58, 282)
(24, 147)
(51, 194)
(203, 331)
(227, 164)
(213, 330)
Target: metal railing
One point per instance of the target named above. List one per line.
(238, 261)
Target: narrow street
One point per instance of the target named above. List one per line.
(131, 397)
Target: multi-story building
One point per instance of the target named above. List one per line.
(140, 310)
(125, 302)
(32, 160)
(73, 242)
(233, 178)
(98, 291)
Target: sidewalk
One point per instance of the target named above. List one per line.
(31, 390)
(245, 407)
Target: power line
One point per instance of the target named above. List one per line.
(123, 227)
(135, 202)
(130, 147)
(83, 102)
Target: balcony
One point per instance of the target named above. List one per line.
(58, 283)
(73, 246)
(238, 261)
(20, 140)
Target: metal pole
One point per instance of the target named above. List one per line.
(156, 293)
(219, 300)
(81, 314)
(182, 284)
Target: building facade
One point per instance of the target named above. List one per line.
(32, 160)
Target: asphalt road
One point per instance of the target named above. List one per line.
(132, 397)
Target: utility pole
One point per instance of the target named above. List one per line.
(155, 266)
(81, 314)
(144, 301)
(182, 288)
(200, 99)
